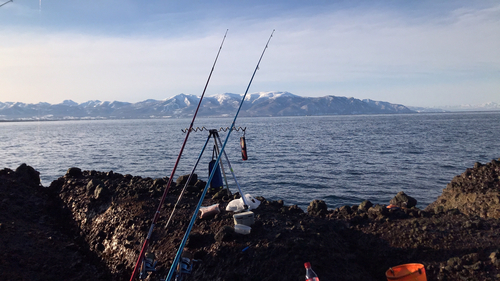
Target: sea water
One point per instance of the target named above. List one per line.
(342, 160)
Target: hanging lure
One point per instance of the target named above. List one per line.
(243, 145)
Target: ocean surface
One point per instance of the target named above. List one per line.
(342, 160)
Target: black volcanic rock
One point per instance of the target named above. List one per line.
(403, 200)
(63, 232)
(476, 192)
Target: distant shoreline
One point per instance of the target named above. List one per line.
(171, 117)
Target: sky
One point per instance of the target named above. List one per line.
(415, 53)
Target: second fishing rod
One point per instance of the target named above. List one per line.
(193, 219)
(157, 213)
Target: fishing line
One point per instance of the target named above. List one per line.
(157, 213)
(6, 2)
(186, 184)
(193, 219)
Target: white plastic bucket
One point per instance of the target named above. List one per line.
(242, 229)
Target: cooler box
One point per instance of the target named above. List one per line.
(245, 218)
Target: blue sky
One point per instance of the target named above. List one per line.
(416, 53)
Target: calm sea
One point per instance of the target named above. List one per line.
(342, 160)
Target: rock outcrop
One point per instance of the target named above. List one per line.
(36, 242)
(476, 192)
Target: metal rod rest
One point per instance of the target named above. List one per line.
(221, 129)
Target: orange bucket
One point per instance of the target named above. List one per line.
(406, 272)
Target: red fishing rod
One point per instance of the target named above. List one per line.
(203, 194)
(157, 214)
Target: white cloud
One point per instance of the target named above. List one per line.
(86, 67)
(371, 53)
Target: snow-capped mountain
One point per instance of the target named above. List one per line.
(474, 107)
(182, 105)
(489, 106)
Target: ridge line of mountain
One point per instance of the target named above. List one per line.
(262, 104)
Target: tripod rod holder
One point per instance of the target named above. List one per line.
(221, 129)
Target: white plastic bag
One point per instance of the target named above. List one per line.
(237, 205)
(252, 202)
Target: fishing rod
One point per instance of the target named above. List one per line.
(193, 219)
(6, 2)
(157, 214)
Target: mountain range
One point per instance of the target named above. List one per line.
(489, 106)
(263, 104)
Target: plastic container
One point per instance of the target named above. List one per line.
(310, 274)
(246, 218)
(242, 229)
(407, 272)
(210, 211)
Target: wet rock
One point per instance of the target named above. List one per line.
(38, 242)
(92, 185)
(274, 203)
(28, 175)
(476, 192)
(454, 262)
(74, 172)
(221, 194)
(294, 209)
(192, 188)
(345, 210)
(317, 208)
(495, 259)
(437, 209)
(403, 200)
(100, 192)
(200, 184)
(475, 267)
(365, 205)
(378, 210)
(183, 179)
(159, 182)
(473, 224)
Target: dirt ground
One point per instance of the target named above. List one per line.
(90, 225)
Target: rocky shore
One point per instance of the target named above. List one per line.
(90, 225)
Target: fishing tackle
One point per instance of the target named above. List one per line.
(243, 145)
(215, 135)
(202, 197)
(157, 213)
